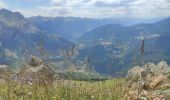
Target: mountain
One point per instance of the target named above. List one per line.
(114, 48)
(73, 27)
(164, 22)
(16, 21)
(111, 47)
(19, 36)
(68, 27)
(106, 32)
(108, 47)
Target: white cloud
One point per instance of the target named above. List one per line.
(107, 1)
(103, 8)
(116, 8)
(31, 0)
(84, 8)
(58, 2)
(150, 8)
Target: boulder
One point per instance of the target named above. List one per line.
(160, 68)
(135, 73)
(35, 61)
(35, 72)
(147, 80)
(149, 70)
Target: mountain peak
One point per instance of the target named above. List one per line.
(16, 20)
(4, 10)
(11, 19)
(7, 13)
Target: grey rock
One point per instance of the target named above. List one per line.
(149, 81)
(35, 61)
(35, 72)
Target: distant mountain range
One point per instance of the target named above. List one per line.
(68, 27)
(116, 47)
(113, 46)
(73, 27)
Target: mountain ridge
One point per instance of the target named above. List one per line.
(126, 43)
(111, 46)
(19, 36)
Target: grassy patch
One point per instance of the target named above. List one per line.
(65, 90)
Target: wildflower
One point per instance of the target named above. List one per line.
(92, 96)
(54, 98)
(29, 93)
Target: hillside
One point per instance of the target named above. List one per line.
(68, 27)
(18, 37)
(39, 80)
(117, 47)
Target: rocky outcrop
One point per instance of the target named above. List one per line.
(35, 61)
(157, 81)
(35, 72)
(149, 82)
(5, 72)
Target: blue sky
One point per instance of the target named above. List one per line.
(90, 8)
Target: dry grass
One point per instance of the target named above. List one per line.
(65, 90)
